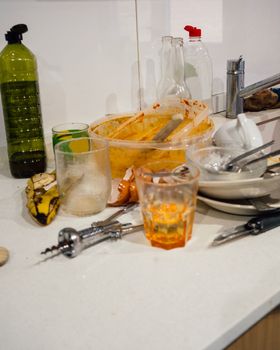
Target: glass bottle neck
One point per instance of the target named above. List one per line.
(178, 62)
(166, 61)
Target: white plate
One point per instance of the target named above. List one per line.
(249, 188)
(236, 207)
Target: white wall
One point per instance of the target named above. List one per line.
(86, 53)
(87, 50)
(230, 28)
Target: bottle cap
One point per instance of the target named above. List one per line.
(14, 35)
(193, 31)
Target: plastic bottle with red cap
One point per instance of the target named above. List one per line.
(198, 67)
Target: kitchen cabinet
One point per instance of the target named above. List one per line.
(264, 335)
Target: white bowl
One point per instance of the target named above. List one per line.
(210, 161)
(247, 188)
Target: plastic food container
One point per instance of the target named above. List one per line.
(129, 152)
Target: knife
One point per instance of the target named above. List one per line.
(254, 226)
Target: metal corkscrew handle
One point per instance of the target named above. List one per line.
(71, 242)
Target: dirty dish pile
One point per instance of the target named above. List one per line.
(224, 188)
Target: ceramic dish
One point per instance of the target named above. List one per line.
(241, 207)
(247, 188)
(239, 131)
(212, 160)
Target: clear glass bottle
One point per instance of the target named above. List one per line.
(21, 106)
(180, 88)
(198, 67)
(166, 83)
(172, 81)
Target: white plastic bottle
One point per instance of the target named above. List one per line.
(198, 67)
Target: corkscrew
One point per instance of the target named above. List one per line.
(71, 242)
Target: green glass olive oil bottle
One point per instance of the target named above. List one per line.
(21, 106)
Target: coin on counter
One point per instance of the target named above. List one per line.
(4, 255)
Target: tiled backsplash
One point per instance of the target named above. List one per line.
(89, 59)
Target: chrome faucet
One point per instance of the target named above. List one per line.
(236, 92)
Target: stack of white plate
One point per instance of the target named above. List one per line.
(231, 196)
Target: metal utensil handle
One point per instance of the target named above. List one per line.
(263, 223)
(270, 154)
(176, 120)
(117, 214)
(249, 153)
(268, 120)
(115, 234)
(94, 231)
(132, 229)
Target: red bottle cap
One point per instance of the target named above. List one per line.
(193, 31)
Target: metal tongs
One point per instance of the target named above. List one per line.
(254, 226)
(71, 242)
(233, 165)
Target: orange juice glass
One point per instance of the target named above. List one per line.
(167, 192)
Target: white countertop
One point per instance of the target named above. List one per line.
(125, 294)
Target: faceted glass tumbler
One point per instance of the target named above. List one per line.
(167, 193)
